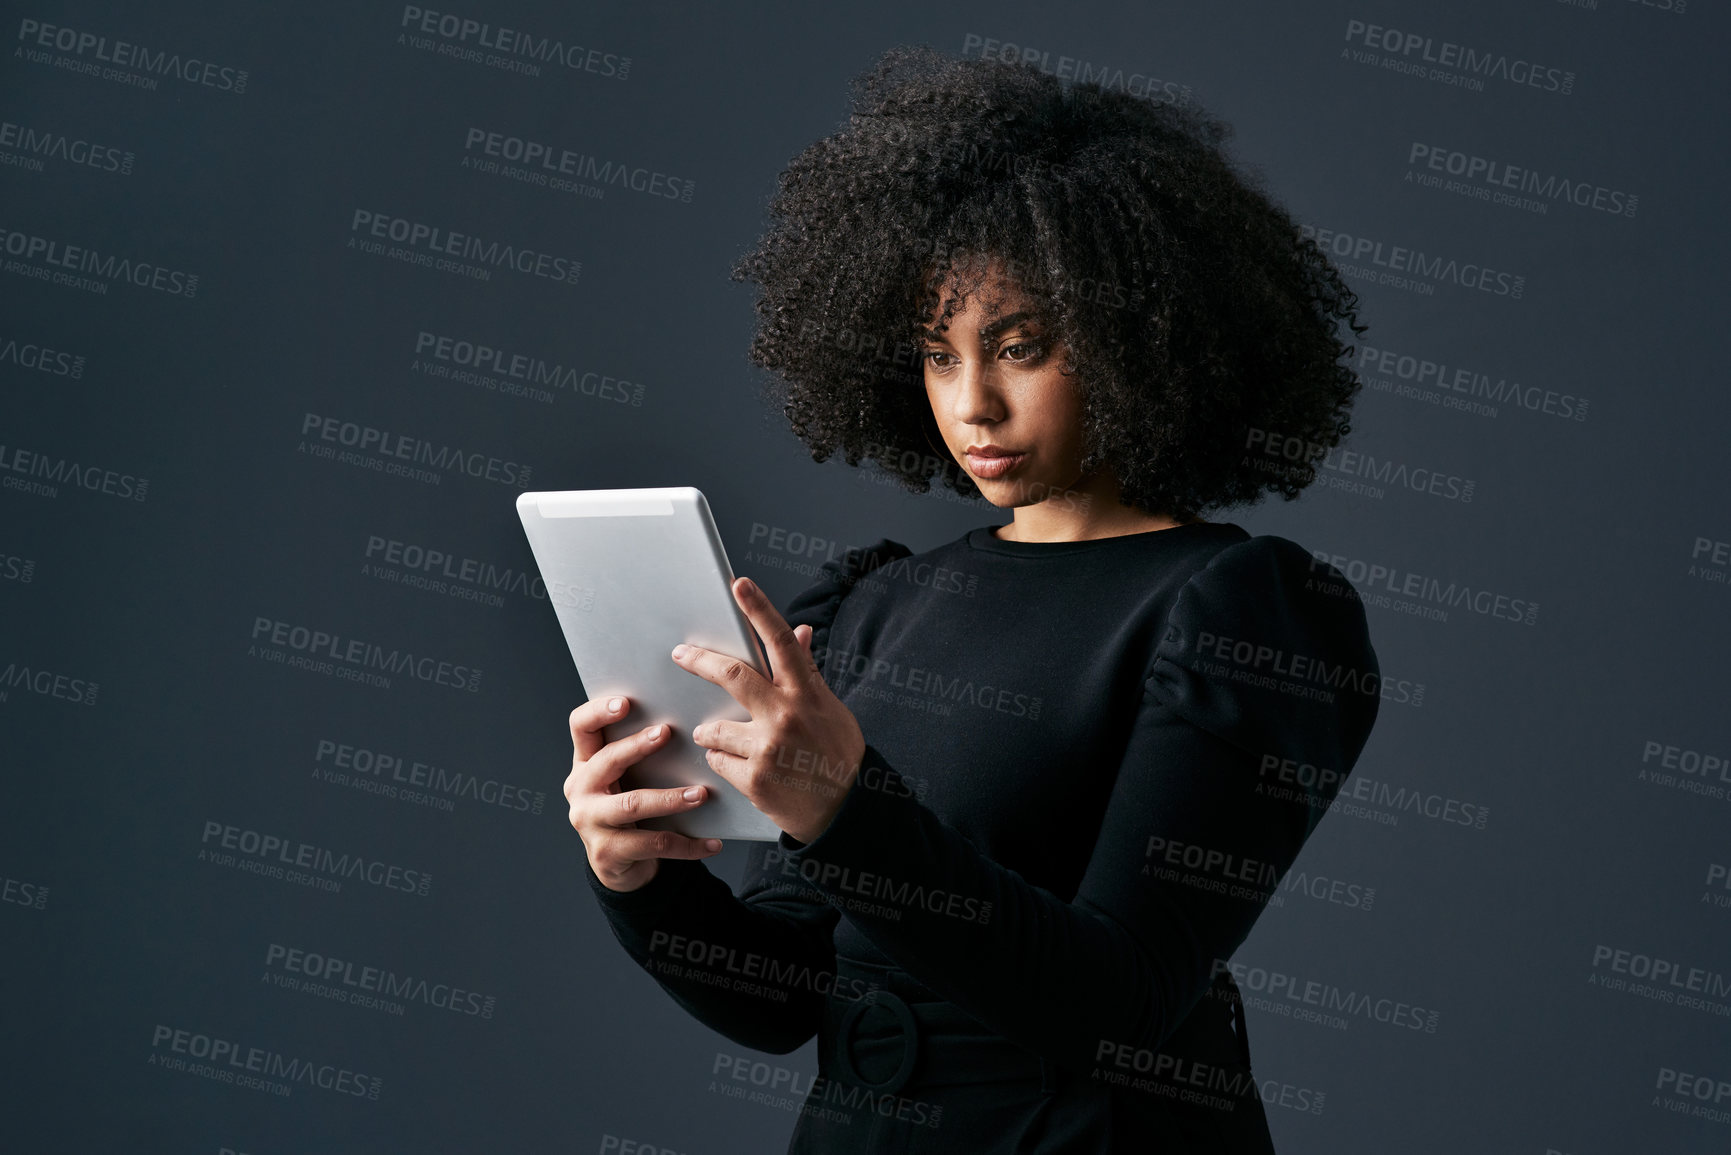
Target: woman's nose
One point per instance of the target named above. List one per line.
(977, 397)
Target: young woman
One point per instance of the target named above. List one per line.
(1035, 785)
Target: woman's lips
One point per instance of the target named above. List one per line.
(994, 466)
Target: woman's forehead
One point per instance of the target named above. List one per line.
(990, 290)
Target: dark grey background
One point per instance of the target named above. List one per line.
(113, 926)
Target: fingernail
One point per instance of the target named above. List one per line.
(750, 587)
(679, 650)
(615, 704)
(654, 732)
(712, 844)
(693, 793)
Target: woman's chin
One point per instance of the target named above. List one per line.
(1009, 494)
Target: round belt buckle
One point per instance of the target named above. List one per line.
(904, 1016)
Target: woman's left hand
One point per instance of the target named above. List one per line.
(800, 752)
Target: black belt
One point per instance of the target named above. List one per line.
(910, 1033)
(890, 1035)
(859, 1047)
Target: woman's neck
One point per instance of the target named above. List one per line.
(1083, 512)
(1029, 526)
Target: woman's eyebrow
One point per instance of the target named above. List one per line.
(988, 331)
(1003, 323)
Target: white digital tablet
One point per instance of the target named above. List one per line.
(631, 573)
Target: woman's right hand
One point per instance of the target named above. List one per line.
(605, 816)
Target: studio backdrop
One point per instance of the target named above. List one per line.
(298, 298)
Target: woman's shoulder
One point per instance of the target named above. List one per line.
(1267, 646)
(816, 605)
(1277, 572)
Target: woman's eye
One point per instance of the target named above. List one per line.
(935, 358)
(1022, 350)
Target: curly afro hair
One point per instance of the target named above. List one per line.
(1193, 311)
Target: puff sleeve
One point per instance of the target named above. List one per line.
(1265, 657)
(755, 967)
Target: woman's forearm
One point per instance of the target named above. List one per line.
(755, 969)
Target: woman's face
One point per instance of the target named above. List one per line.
(1009, 413)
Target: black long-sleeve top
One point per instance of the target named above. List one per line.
(1088, 765)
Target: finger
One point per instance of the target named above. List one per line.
(748, 687)
(734, 770)
(587, 720)
(722, 734)
(805, 644)
(628, 806)
(786, 662)
(640, 845)
(620, 755)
